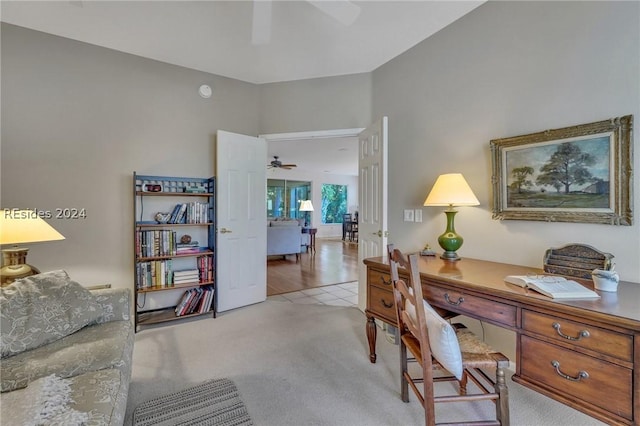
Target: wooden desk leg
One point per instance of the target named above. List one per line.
(371, 337)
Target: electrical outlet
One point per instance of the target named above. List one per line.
(418, 215)
(408, 215)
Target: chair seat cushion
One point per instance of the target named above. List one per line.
(475, 352)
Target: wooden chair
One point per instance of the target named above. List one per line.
(444, 313)
(349, 228)
(451, 350)
(354, 231)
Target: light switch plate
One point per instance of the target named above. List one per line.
(408, 215)
(418, 215)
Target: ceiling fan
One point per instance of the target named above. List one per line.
(343, 11)
(277, 164)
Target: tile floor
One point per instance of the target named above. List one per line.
(345, 294)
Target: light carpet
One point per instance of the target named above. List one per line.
(305, 365)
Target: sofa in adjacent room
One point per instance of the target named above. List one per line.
(285, 237)
(66, 352)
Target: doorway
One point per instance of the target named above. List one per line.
(320, 157)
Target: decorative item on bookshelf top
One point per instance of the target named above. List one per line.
(152, 187)
(196, 189)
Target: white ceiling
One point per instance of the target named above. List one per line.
(216, 37)
(337, 156)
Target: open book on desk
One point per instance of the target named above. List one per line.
(554, 287)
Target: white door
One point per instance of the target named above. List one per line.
(241, 217)
(372, 204)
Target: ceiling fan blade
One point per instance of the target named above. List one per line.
(261, 27)
(286, 167)
(342, 11)
(289, 165)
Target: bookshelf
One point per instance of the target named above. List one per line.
(174, 248)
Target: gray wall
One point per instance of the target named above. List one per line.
(316, 104)
(507, 69)
(77, 120)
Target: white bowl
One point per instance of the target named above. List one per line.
(605, 280)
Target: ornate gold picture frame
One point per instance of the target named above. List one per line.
(574, 174)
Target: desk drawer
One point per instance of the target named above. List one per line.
(380, 302)
(607, 386)
(379, 279)
(603, 341)
(459, 302)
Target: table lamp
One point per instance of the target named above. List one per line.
(20, 227)
(451, 190)
(306, 206)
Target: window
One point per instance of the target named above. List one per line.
(284, 197)
(334, 202)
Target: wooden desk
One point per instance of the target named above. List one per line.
(583, 353)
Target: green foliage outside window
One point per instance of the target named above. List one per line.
(334, 202)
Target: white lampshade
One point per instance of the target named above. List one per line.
(19, 227)
(451, 189)
(306, 206)
(25, 226)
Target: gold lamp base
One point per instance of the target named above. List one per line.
(15, 265)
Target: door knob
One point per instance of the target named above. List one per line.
(225, 231)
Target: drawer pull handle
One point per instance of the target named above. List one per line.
(581, 375)
(385, 304)
(456, 303)
(583, 333)
(383, 281)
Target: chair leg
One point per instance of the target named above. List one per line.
(502, 405)
(462, 383)
(404, 384)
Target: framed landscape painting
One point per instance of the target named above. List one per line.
(574, 174)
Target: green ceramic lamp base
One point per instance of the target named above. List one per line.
(450, 241)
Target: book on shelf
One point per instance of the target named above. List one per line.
(193, 301)
(205, 306)
(191, 250)
(180, 214)
(189, 213)
(553, 286)
(203, 301)
(154, 243)
(157, 273)
(184, 279)
(190, 271)
(186, 245)
(174, 213)
(183, 301)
